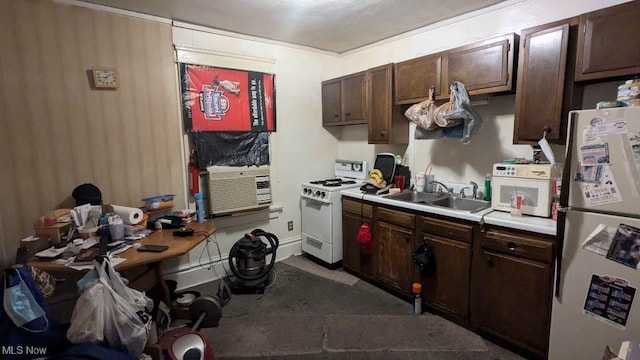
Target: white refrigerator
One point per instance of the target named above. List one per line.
(597, 302)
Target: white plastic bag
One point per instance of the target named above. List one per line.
(132, 296)
(126, 328)
(111, 312)
(87, 319)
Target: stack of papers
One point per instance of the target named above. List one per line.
(50, 252)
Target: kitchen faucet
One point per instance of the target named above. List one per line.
(462, 194)
(448, 189)
(475, 190)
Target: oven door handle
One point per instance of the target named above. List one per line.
(316, 201)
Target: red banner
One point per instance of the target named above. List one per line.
(216, 99)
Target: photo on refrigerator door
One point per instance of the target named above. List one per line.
(625, 247)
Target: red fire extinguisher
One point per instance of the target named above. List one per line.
(194, 174)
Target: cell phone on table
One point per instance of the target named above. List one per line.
(153, 248)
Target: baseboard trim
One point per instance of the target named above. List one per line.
(195, 273)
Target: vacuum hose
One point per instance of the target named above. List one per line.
(252, 252)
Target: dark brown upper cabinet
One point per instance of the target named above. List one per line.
(545, 91)
(413, 78)
(331, 103)
(344, 100)
(484, 67)
(608, 42)
(387, 124)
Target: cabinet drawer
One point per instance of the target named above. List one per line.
(518, 245)
(447, 229)
(358, 208)
(396, 217)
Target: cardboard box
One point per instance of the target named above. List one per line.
(53, 232)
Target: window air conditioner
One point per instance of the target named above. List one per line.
(233, 189)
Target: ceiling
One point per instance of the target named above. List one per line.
(330, 25)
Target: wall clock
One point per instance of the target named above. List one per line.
(106, 77)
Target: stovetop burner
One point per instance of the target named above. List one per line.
(332, 182)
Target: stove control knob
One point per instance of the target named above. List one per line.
(322, 194)
(317, 193)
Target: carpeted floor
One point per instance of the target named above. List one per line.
(317, 314)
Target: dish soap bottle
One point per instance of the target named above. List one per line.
(487, 187)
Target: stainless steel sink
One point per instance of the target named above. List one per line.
(442, 200)
(417, 197)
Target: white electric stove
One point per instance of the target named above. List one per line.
(321, 210)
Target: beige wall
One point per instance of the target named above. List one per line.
(58, 132)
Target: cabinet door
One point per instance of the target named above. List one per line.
(331, 108)
(608, 42)
(541, 83)
(413, 78)
(512, 299)
(352, 256)
(447, 288)
(354, 98)
(387, 124)
(395, 248)
(484, 67)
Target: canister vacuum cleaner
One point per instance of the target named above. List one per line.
(248, 262)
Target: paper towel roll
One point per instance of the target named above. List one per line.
(129, 215)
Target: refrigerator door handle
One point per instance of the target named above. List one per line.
(564, 209)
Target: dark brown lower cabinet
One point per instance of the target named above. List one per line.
(395, 248)
(512, 290)
(493, 280)
(353, 258)
(446, 286)
(394, 233)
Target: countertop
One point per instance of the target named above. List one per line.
(527, 223)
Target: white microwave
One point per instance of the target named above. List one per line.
(533, 181)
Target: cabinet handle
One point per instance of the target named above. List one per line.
(382, 133)
(511, 246)
(489, 261)
(407, 239)
(348, 114)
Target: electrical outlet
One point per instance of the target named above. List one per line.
(290, 225)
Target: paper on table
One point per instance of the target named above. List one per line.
(90, 242)
(113, 261)
(50, 252)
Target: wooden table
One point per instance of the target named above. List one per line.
(152, 276)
